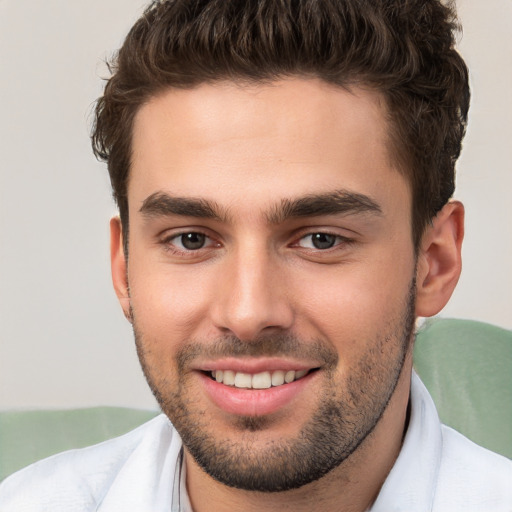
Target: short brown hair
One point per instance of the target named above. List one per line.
(402, 48)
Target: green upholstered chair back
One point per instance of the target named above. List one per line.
(27, 436)
(467, 367)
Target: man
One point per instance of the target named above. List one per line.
(283, 172)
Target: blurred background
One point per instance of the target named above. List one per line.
(63, 339)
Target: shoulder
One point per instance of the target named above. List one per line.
(480, 478)
(78, 480)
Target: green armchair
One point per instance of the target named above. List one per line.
(467, 368)
(27, 436)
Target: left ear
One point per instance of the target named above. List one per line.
(439, 260)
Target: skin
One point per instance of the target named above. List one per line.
(246, 151)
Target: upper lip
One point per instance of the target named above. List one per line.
(254, 365)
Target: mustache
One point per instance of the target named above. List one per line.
(270, 345)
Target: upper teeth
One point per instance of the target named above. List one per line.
(263, 380)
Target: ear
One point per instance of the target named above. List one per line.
(119, 267)
(439, 260)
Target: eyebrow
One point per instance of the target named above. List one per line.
(161, 204)
(339, 202)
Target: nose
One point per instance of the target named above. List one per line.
(252, 296)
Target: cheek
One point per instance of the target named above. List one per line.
(167, 305)
(358, 302)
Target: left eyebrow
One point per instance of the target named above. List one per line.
(339, 202)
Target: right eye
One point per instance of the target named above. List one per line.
(190, 241)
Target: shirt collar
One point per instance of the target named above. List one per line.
(180, 501)
(413, 478)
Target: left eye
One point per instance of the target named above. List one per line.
(319, 241)
(190, 241)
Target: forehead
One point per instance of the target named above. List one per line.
(224, 141)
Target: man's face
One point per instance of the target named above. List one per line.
(271, 273)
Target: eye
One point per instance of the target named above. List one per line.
(319, 241)
(192, 241)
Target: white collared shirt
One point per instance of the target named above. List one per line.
(437, 470)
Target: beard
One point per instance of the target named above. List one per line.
(345, 414)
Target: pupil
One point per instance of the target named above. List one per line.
(193, 241)
(323, 240)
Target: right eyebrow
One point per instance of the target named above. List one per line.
(162, 204)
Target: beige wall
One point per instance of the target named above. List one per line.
(63, 339)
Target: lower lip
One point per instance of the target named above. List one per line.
(254, 402)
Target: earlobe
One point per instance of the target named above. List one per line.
(439, 260)
(119, 267)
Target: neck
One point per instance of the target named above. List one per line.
(351, 487)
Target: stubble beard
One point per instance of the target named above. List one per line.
(343, 420)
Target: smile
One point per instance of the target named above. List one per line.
(262, 380)
(257, 393)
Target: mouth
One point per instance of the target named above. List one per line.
(257, 393)
(261, 380)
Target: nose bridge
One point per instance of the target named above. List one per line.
(254, 297)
